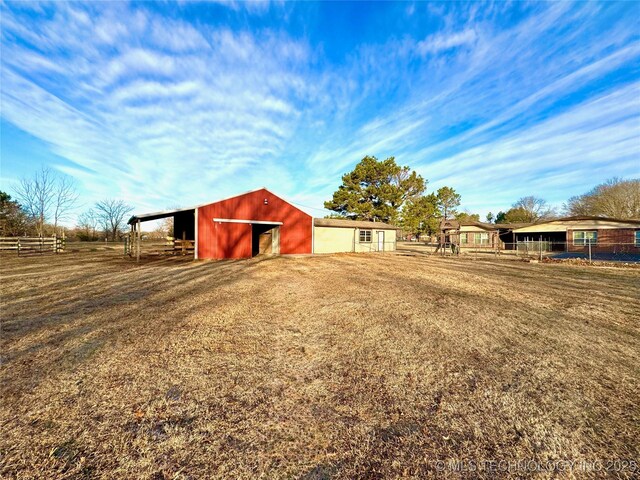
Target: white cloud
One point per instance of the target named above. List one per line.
(176, 36)
(445, 41)
(164, 112)
(137, 61)
(157, 117)
(471, 120)
(575, 147)
(140, 89)
(254, 7)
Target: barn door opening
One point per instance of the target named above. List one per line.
(265, 239)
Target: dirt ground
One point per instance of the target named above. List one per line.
(345, 366)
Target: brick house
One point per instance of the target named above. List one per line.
(495, 236)
(479, 235)
(577, 234)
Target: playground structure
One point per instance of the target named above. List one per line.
(449, 238)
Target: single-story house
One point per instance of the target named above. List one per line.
(488, 235)
(260, 222)
(578, 233)
(478, 234)
(332, 235)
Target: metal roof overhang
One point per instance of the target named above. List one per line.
(146, 217)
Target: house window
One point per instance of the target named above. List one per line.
(463, 239)
(585, 238)
(637, 238)
(365, 236)
(481, 239)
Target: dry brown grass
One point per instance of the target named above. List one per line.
(316, 367)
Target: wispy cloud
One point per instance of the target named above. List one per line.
(162, 107)
(567, 148)
(445, 41)
(471, 122)
(256, 7)
(154, 119)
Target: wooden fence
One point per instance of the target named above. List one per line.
(171, 246)
(32, 245)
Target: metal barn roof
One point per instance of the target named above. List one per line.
(144, 217)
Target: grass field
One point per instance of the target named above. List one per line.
(346, 366)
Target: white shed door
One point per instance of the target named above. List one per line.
(380, 241)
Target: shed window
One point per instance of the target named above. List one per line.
(463, 239)
(637, 238)
(481, 239)
(585, 238)
(365, 236)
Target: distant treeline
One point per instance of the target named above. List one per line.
(381, 190)
(375, 190)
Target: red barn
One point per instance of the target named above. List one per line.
(239, 227)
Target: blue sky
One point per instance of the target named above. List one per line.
(174, 104)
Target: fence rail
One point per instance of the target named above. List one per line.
(374, 246)
(169, 246)
(32, 245)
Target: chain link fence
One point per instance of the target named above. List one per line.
(603, 252)
(533, 250)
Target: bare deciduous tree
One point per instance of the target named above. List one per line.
(533, 209)
(112, 213)
(88, 222)
(65, 198)
(614, 198)
(36, 195)
(167, 226)
(46, 195)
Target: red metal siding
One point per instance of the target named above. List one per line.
(233, 240)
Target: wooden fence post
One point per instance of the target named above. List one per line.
(130, 245)
(540, 247)
(138, 241)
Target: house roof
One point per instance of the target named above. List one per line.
(493, 226)
(578, 221)
(336, 222)
(449, 224)
(578, 218)
(510, 226)
(486, 226)
(513, 226)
